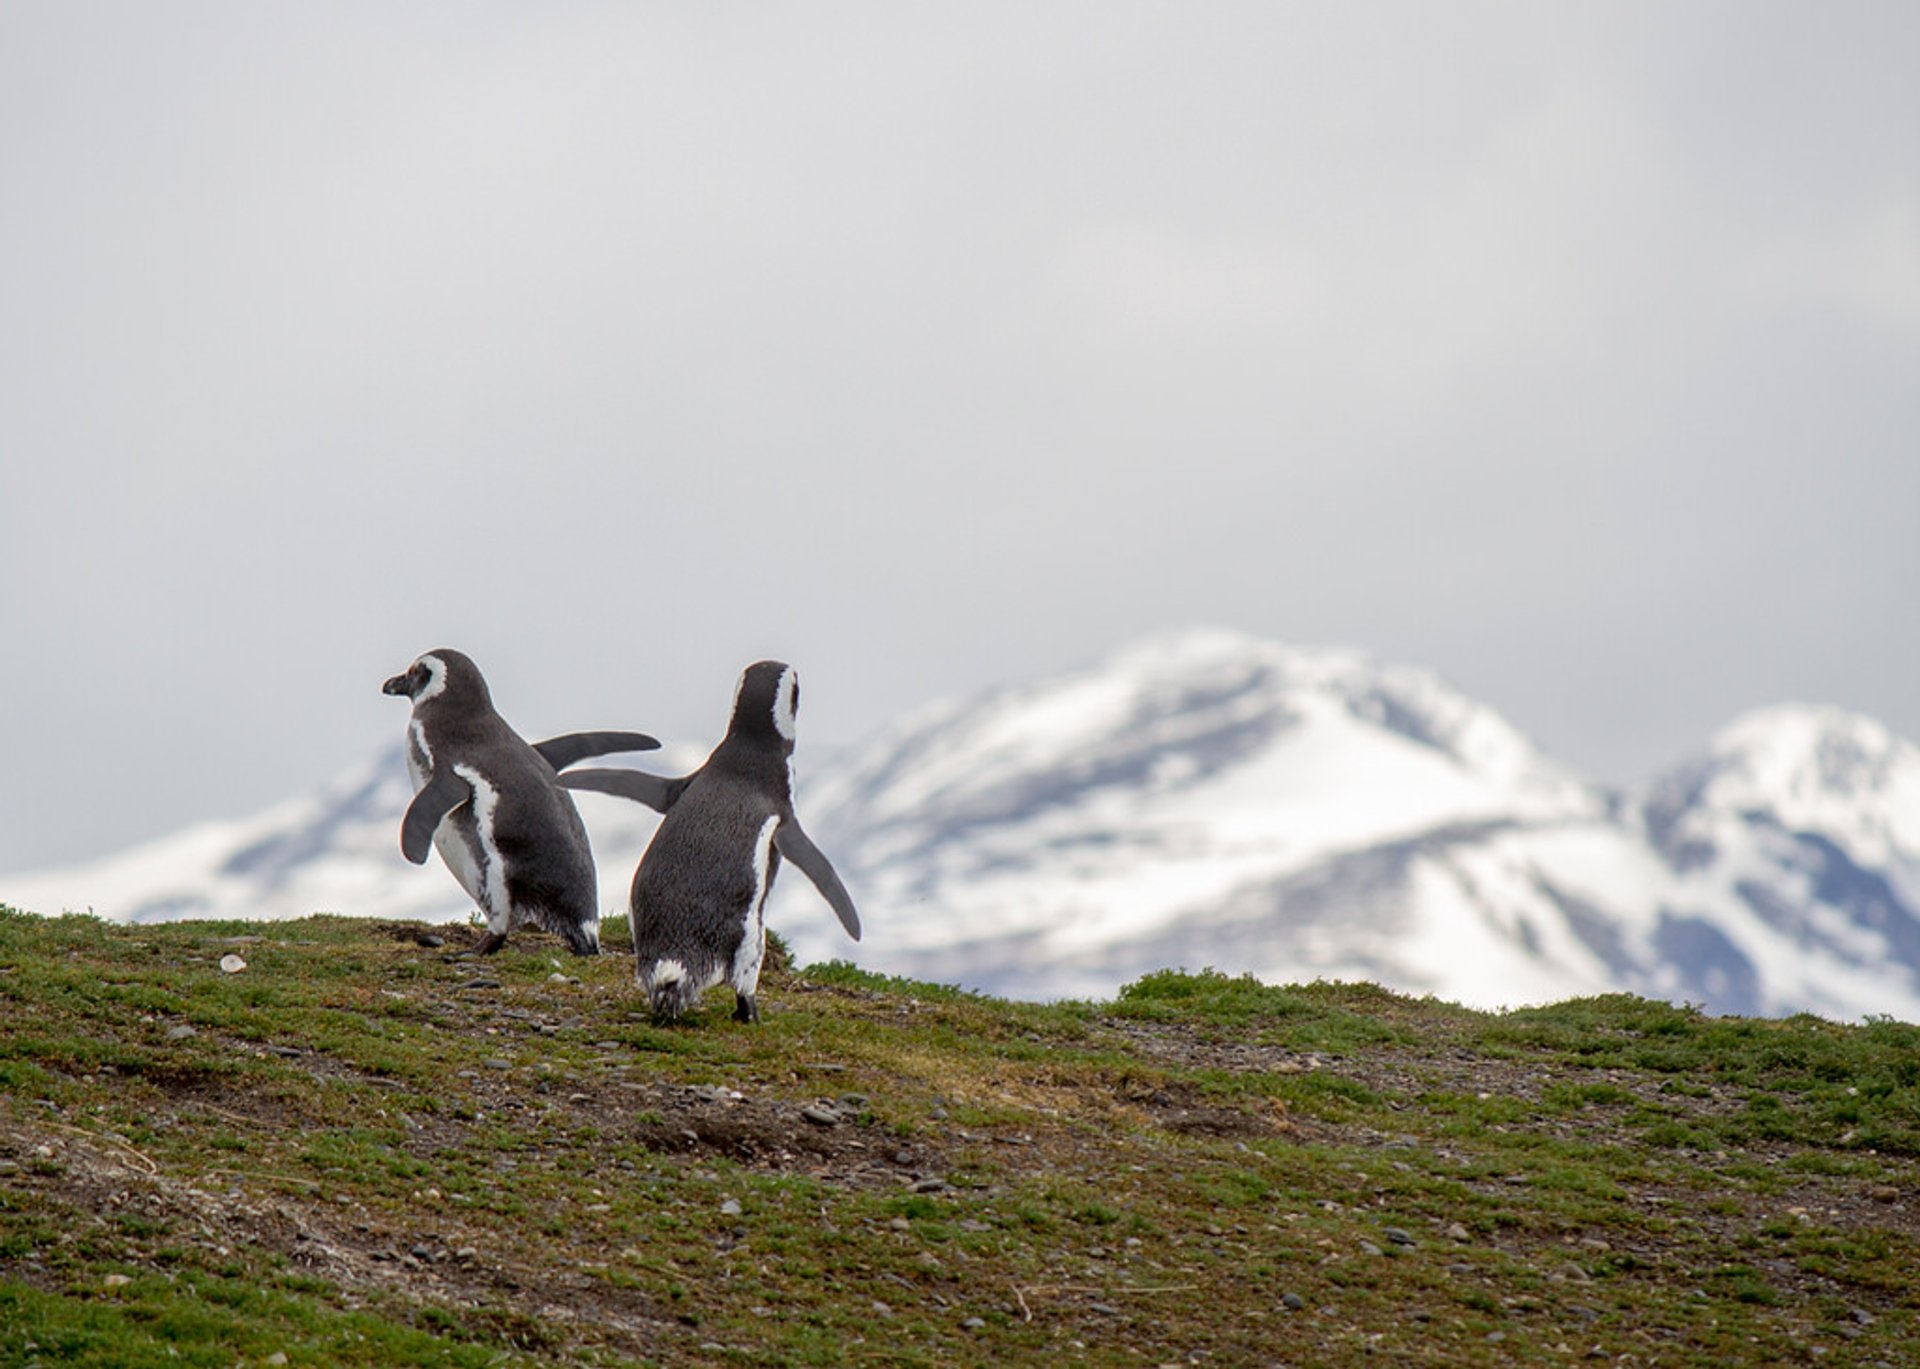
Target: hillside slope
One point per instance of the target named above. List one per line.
(361, 1149)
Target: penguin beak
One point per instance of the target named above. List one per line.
(397, 685)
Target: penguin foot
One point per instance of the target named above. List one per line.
(490, 943)
(745, 1009)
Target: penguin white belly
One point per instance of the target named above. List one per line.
(464, 837)
(448, 839)
(457, 852)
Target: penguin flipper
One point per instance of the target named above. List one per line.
(440, 796)
(652, 790)
(562, 751)
(798, 847)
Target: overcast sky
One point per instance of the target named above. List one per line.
(1571, 350)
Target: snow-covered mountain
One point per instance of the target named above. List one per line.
(1210, 799)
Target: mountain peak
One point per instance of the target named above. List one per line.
(1819, 769)
(1409, 701)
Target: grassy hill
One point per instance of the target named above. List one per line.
(367, 1149)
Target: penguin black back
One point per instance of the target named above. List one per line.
(699, 896)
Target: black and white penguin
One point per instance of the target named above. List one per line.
(699, 897)
(489, 803)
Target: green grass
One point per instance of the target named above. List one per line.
(350, 1153)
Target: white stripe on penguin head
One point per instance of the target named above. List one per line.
(786, 702)
(436, 678)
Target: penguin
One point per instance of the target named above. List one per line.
(699, 897)
(488, 802)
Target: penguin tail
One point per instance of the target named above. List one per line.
(669, 988)
(585, 938)
(580, 929)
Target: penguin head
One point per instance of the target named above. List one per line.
(765, 702)
(441, 673)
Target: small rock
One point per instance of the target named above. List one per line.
(931, 1186)
(432, 942)
(903, 1157)
(1369, 1248)
(1399, 1236)
(820, 1115)
(1861, 1315)
(974, 1324)
(556, 978)
(180, 1033)
(496, 1063)
(1495, 1337)
(465, 1253)
(882, 1308)
(1457, 1232)
(277, 1357)
(231, 964)
(730, 1208)
(479, 981)
(1102, 1309)
(1293, 1302)
(115, 1281)
(421, 1252)
(900, 1224)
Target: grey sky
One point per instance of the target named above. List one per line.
(1573, 350)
